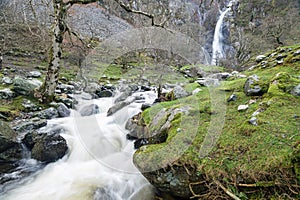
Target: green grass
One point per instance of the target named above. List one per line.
(263, 155)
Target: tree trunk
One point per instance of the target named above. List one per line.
(58, 30)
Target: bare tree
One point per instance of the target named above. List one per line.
(59, 28)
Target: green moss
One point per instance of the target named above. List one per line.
(259, 155)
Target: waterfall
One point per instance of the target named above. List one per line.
(217, 46)
(99, 163)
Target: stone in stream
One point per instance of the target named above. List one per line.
(120, 105)
(46, 146)
(63, 110)
(89, 110)
(49, 113)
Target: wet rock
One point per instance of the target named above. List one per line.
(105, 93)
(89, 110)
(136, 130)
(145, 88)
(63, 110)
(6, 80)
(35, 74)
(92, 88)
(254, 87)
(49, 113)
(25, 87)
(260, 58)
(120, 105)
(124, 95)
(68, 102)
(6, 94)
(29, 125)
(140, 142)
(145, 106)
(243, 107)
(10, 149)
(49, 148)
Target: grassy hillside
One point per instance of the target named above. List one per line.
(251, 161)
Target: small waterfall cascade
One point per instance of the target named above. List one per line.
(217, 46)
(99, 163)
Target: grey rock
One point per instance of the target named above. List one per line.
(281, 56)
(145, 106)
(29, 125)
(256, 112)
(120, 105)
(180, 92)
(208, 82)
(260, 58)
(6, 94)
(10, 149)
(49, 148)
(196, 91)
(296, 91)
(105, 93)
(68, 89)
(25, 87)
(6, 80)
(63, 110)
(49, 113)
(124, 95)
(243, 107)
(92, 88)
(35, 74)
(89, 110)
(297, 53)
(29, 106)
(253, 87)
(253, 121)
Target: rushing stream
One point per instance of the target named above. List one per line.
(99, 163)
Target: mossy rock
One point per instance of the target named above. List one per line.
(282, 84)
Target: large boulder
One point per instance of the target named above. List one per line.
(25, 87)
(46, 146)
(10, 149)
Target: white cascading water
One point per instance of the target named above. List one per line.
(217, 46)
(99, 164)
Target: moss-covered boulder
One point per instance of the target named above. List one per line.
(10, 149)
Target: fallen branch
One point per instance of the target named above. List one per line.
(227, 191)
